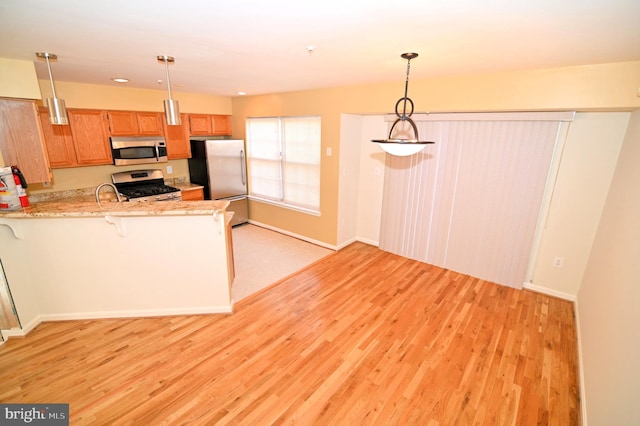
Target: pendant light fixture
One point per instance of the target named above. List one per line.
(171, 108)
(56, 107)
(395, 144)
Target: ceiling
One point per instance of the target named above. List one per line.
(257, 46)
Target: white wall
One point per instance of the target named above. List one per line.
(84, 267)
(350, 135)
(609, 299)
(371, 179)
(586, 169)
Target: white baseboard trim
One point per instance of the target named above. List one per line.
(222, 309)
(368, 241)
(583, 399)
(346, 243)
(549, 292)
(294, 235)
(22, 331)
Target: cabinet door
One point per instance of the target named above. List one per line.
(122, 123)
(193, 194)
(22, 140)
(90, 131)
(149, 123)
(200, 124)
(177, 138)
(58, 141)
(221, 124)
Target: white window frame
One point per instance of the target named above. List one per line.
(273, 187)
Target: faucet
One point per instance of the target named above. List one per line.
(114, 190)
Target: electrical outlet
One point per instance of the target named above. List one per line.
(558, 262)
(169, 170)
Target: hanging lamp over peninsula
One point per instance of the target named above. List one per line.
(400, 143)
(55, 105)
(171, 107)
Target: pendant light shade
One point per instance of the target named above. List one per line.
(397, 143)
(56, 106)
(171, 107)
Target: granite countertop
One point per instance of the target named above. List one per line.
(82, 203)
(114, 208)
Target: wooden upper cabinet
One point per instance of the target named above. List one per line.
(221, 124)
(177, 138)
(122, 123)
(133, 123)
(150, 123)
(207, 125)
(22, 139)
(200, 124)
(90, 131)
(58, 141)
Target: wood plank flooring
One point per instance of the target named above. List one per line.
(360, 337)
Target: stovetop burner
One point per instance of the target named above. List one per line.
(144, 185)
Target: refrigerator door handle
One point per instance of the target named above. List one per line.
(243, 167)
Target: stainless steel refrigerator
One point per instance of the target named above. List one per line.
(220, 166)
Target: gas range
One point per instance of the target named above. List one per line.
(144, 185)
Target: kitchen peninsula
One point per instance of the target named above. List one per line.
(80, 260)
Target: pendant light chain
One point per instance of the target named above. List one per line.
(403, 146)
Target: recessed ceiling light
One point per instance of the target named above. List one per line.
(241, 93)
(120, 80)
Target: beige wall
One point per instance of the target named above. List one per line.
(120, 97)
(587, 88)
(586, 166)
(18, 79)
(609, 298)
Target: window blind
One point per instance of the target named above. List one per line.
(470, 202)
(283, 156)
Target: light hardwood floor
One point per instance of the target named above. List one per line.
(360, 337)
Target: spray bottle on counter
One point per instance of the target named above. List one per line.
(21, 185)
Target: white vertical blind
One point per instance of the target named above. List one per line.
(471, 201)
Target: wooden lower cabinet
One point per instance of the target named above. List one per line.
(230, 259)
(196, 194)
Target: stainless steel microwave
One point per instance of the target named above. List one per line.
(138, 150)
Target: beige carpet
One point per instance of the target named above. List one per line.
(263, 257)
